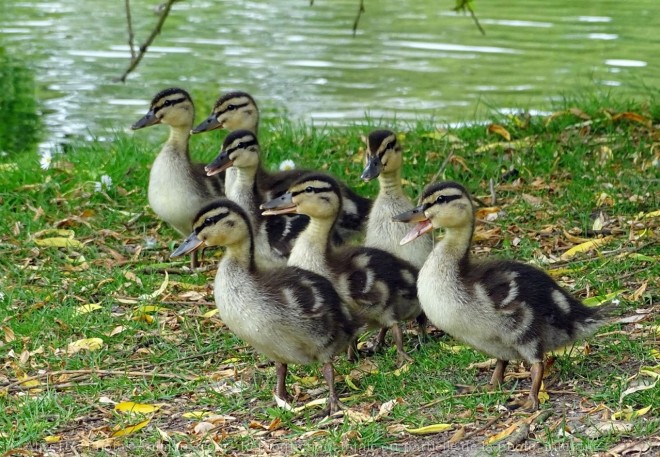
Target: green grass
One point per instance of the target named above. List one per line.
(125, 248)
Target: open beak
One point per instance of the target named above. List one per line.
(279, 205)
(148, 119)
(372, 169)
(190, 244)
(423, 224)
(210, 123)
(220, 164)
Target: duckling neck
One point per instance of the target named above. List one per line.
(390, 183)
(178, 140)
(455, 246)
(311, 246)
(243, 254)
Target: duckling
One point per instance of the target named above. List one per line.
(290, 315)
(178, 188)
(238, 110)
(384, 161)
(379, 284)
(507, 309)
(273, 237)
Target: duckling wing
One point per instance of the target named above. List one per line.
(533, 311)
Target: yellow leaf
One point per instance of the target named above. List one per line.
(58, 242)
(598, 300)
(653, 372)
(652, 214)
(403, 369)
(543, 395)
(52, 438)
(642, 411)
(655, 353)
(84, 309)
(30, 383)
(130, 429)
(143, 317)
(211, 313)
(575, 239)
(503, 434)
(584, 247)
(435, 428)
(501, 131)
(90, 344)
(116, 331)
(150, 308)
(349, 382)
(558, 272)
(158, 292)
(131, 407)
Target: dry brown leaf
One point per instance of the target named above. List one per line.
(532, 200)
(9, 334)
(599, 429)
(499, 130)
(203, 427)
(646, 122)
(640, 291)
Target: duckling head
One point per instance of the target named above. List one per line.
(240, 149)
(383, 154)
(315, 195)
(232, 111)
(444, 204)
(221, 223)
(172, 106)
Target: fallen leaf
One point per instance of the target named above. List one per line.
(140, 408)
(90, 344)
(58, 242)
(429, 429)
(211, 313)
(598, 300)
(457, 436)
(52, 438)
(639, 292)
(628, 413)
(313, 434)
(633, 117)
(404, 369)
(501, 131)
(203, 427)
(599, 429)
(585, 247)
(84, 309)
(501, 435)
(158, 292)
(116, 331)
(9, 334)
(130, 429)
(638, 388)
(197, 414)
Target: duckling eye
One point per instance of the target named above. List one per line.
(231, 107)
(309, 189)
(208, 220)
(441, 199)
(167, 103)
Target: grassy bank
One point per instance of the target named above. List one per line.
(587, 172)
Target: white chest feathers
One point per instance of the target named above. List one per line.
(383, 233)
(173, 193)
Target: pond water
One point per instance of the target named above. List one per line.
(409, 59)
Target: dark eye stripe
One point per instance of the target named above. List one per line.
(447, 198)
(209, 221)
(242, 105)
(242, 145)
(316, 190)
(172, 103)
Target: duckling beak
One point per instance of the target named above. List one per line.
(147, 120)
(220, 164)
(190, 244)
(210, 123)
(372, 169)
(423, 225)
(279, 205)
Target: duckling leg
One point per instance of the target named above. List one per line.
(193, 260)
(280, 388)
(352, 351)
(401, 355)
(380, 339)
(498, 373)
(422, 323)
(333, 399)
(537, 379)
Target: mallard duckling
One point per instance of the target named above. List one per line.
(273, 237)
(289, 315)
(384, 161)
(237, 111)
(379, 284)
(507, 309)
(178, 188)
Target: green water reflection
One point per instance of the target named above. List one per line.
(409, 58)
